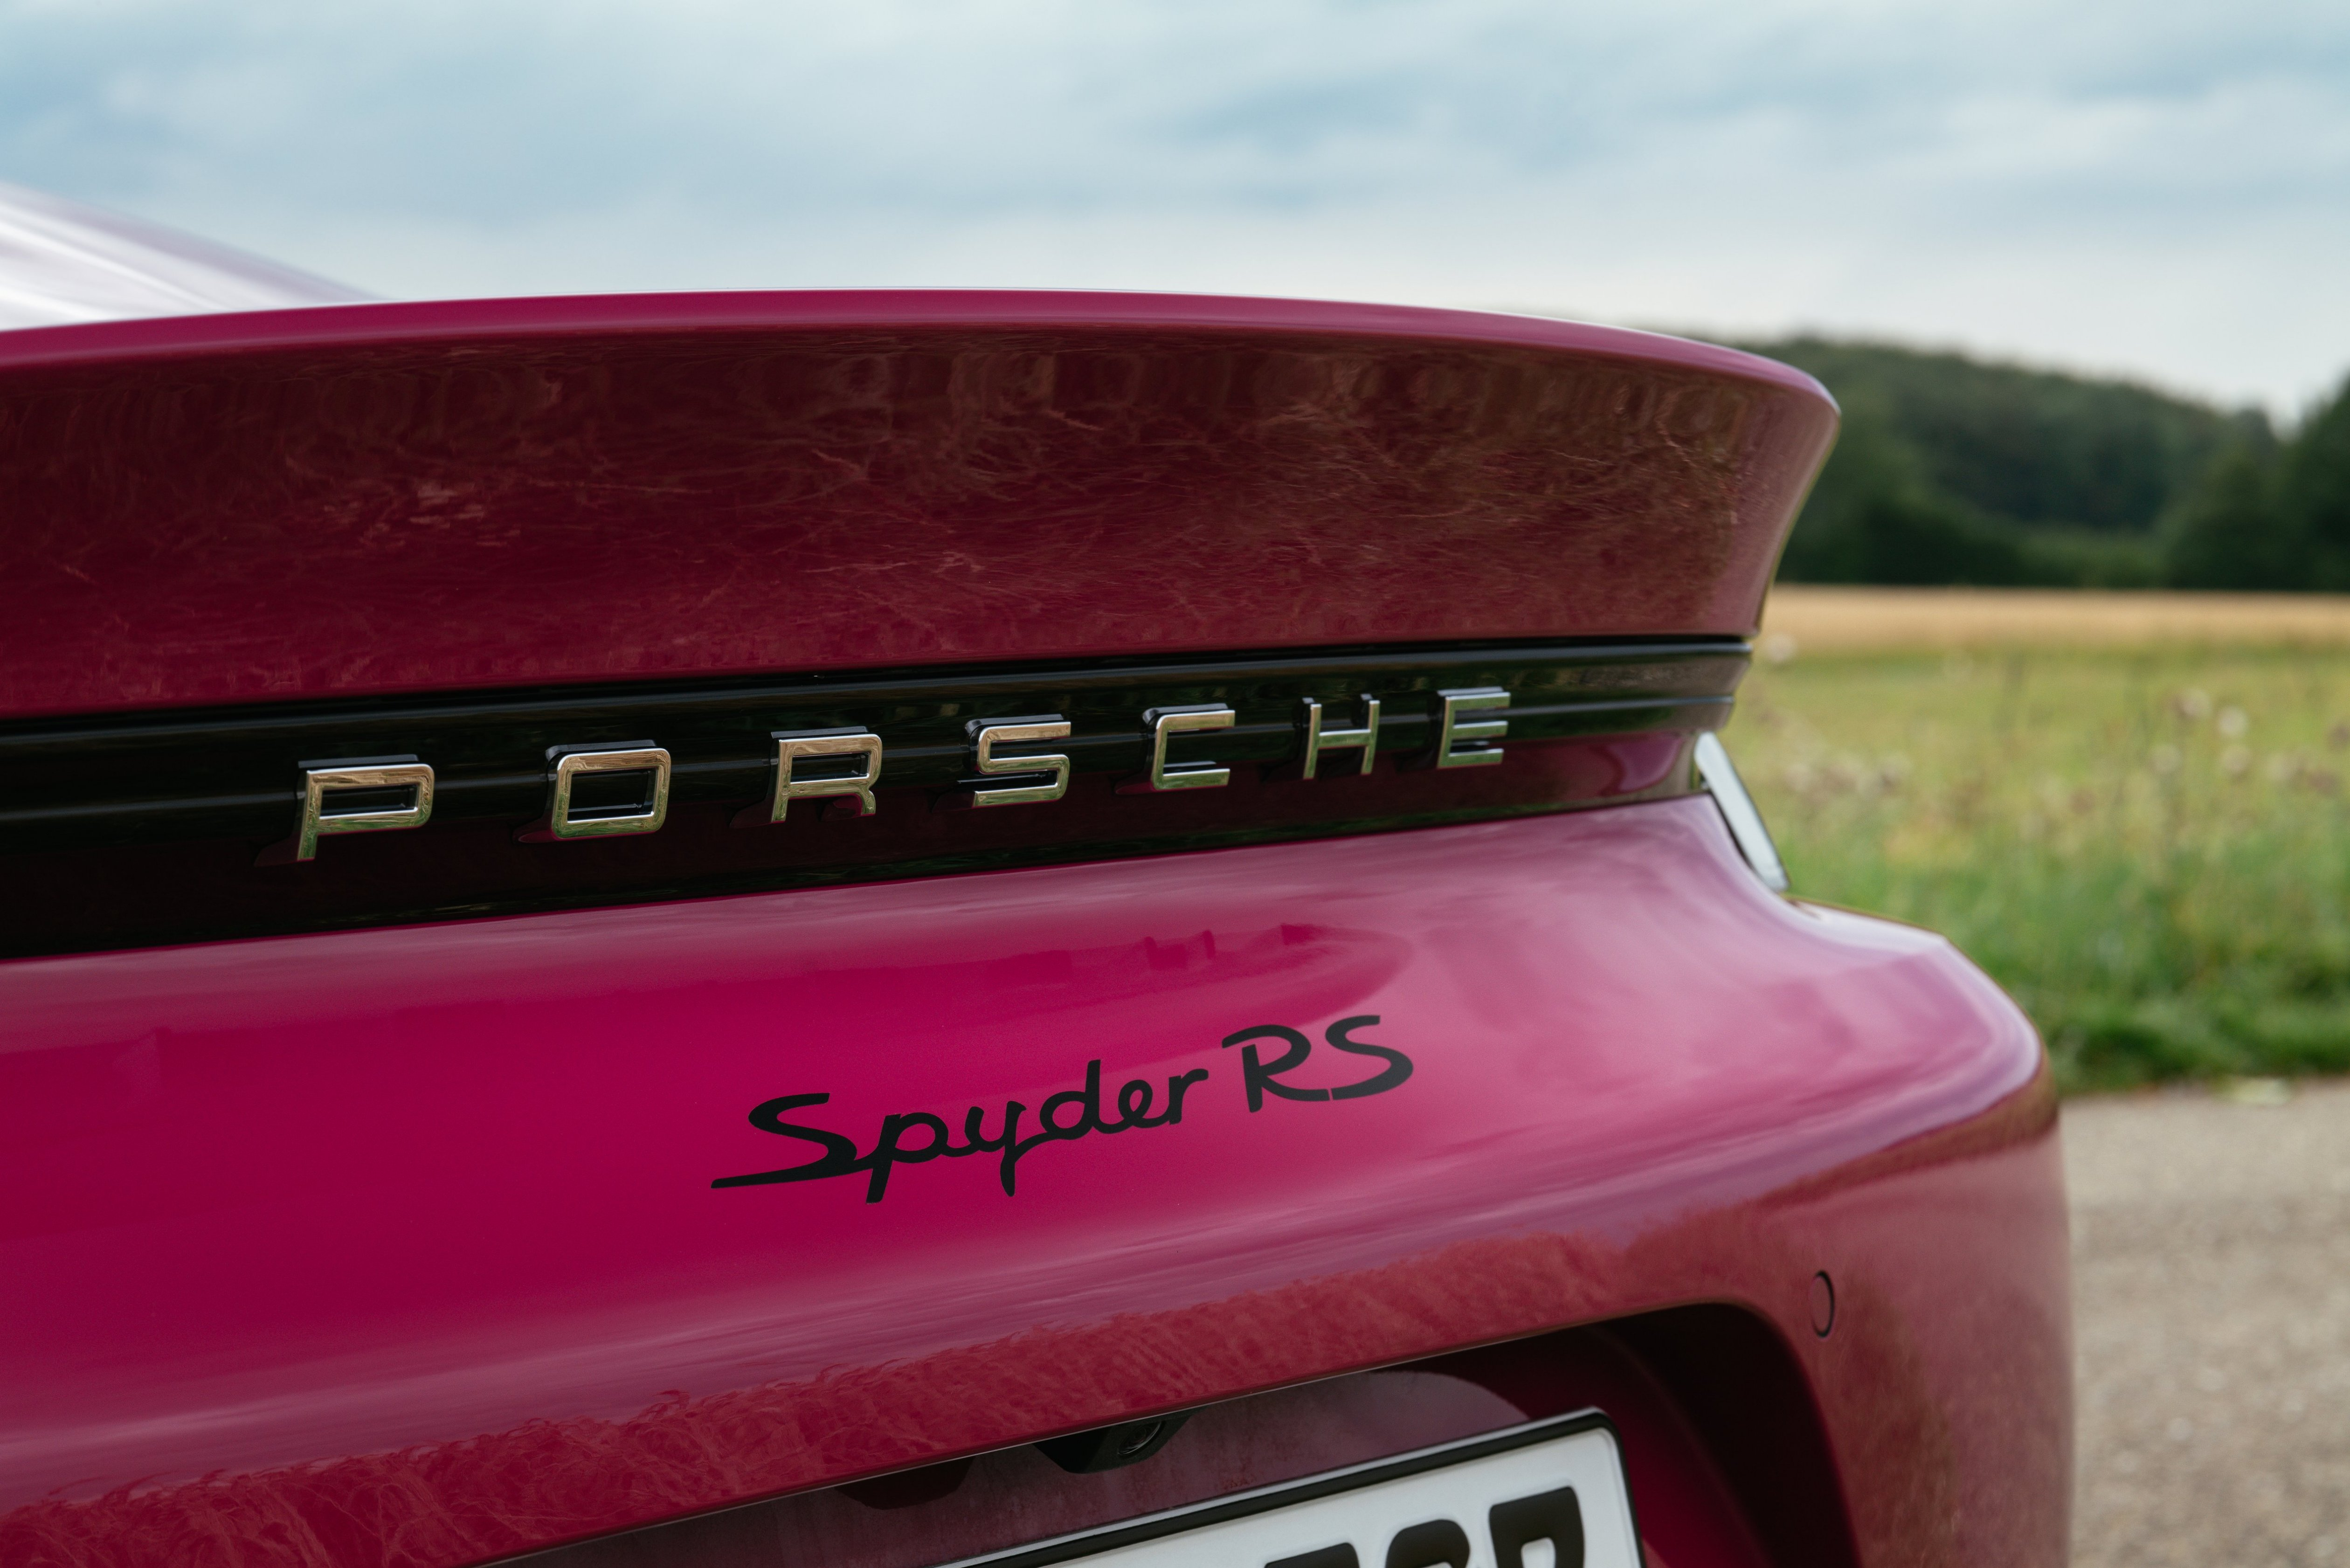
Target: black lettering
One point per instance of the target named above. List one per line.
(1425, 1545)
(1012, 1157)
(1089, 1100)
(1010, 1143)
(1134, 1099)
(1176, 1085)
(839, 1156)
(976, 1142)
(1262, 1079)
(886, 1154)
(1398, 1069)
(1339, 1556)
(1064, 1117)
(1553, 1516)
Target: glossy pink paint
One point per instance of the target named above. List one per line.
(377, 498)
(406, 1237)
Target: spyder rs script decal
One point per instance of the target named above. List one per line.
(917, 1137)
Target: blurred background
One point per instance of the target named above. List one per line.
(2056, 665)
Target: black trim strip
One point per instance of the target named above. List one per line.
(142, 829)
(145, 778)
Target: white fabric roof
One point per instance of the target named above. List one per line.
(61, 262)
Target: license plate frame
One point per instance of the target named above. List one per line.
(1289, 1524)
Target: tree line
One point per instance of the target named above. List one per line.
(1951, 470)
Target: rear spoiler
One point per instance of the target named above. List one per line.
(364, 500)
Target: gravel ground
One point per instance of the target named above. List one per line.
(2211, 1292)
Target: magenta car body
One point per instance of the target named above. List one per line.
(941, 1010)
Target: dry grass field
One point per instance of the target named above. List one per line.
(2129, 808)
(1905, 620)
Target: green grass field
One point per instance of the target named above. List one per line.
(2149, 850)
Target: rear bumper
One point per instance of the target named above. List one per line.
(410, 1236)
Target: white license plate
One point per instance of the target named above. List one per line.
(1549, 1494)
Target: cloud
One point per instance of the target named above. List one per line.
(2158, 188)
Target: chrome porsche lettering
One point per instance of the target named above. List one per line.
(1315, 738)
(851, 791)
(986, 734)
(1161, 724)
(609, 789)
(358, 795)
(640, 803)
(1453, 734)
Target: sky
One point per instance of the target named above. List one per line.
(2154, 189)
